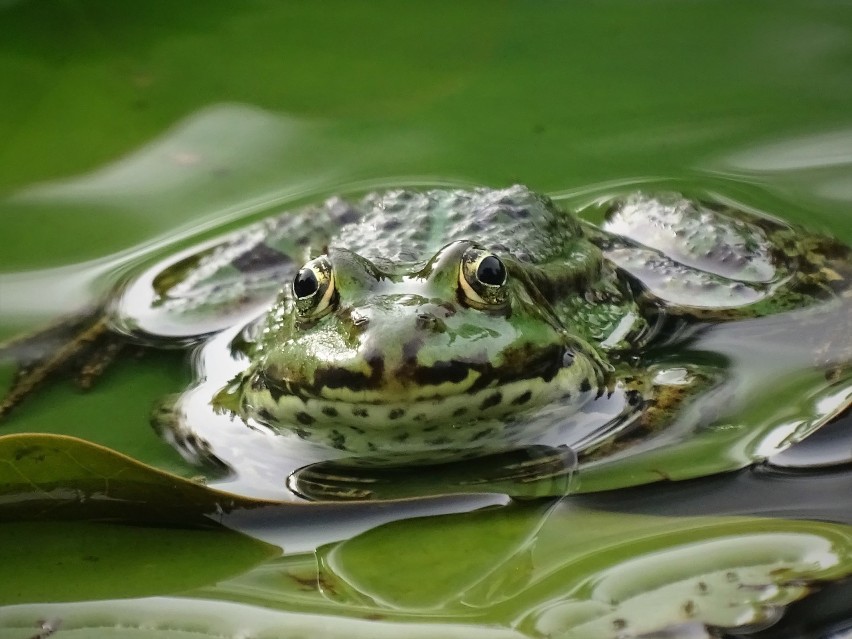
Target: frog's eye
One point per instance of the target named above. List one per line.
(490, 271)
(305, 284)
(313, 287)
(482, 279)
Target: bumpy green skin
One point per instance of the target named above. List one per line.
(402, 368)
(406, 358)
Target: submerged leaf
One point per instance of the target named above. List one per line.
(77, 561)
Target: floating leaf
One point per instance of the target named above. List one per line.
(56, 476)
(526, 570)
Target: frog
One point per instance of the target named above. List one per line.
(417, 327)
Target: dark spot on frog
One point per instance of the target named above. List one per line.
(521, 363)
(459, 411)
(396, 413)
(265, 415)
(267, 381)
(260, 257)
(451, 371)
(304, 418)
(329, 411)
(360, 412)
(585, 385)
(481, 434)
(351, 380)
(491, 400)
(522, 398)
(401, 437)
(337, 439)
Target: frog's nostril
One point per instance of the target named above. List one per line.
(427, 321)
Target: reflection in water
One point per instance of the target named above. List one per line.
(219, 147)
(814, 169)
(821, 151)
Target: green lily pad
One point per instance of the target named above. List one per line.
(45, 476)
(558, 572)
(580, 570)
(525, 570)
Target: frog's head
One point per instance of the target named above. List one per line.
(442, 356)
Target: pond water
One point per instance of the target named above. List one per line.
(130, 132)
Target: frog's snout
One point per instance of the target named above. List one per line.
(424, 320)
(395, 322)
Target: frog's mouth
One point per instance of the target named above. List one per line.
(421, 399)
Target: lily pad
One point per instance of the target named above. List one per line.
(45, 476)
(524, 570)
(560, 572)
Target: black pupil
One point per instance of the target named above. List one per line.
(305, 284)
(491, 271)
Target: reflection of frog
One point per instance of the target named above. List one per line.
(418, 327)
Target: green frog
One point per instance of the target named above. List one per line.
(420, 327)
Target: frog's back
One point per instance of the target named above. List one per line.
(404, 226)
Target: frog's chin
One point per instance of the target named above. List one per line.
(376, 424)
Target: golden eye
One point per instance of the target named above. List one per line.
(482, 278)
(313, 287)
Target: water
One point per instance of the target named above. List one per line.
(131, 132)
